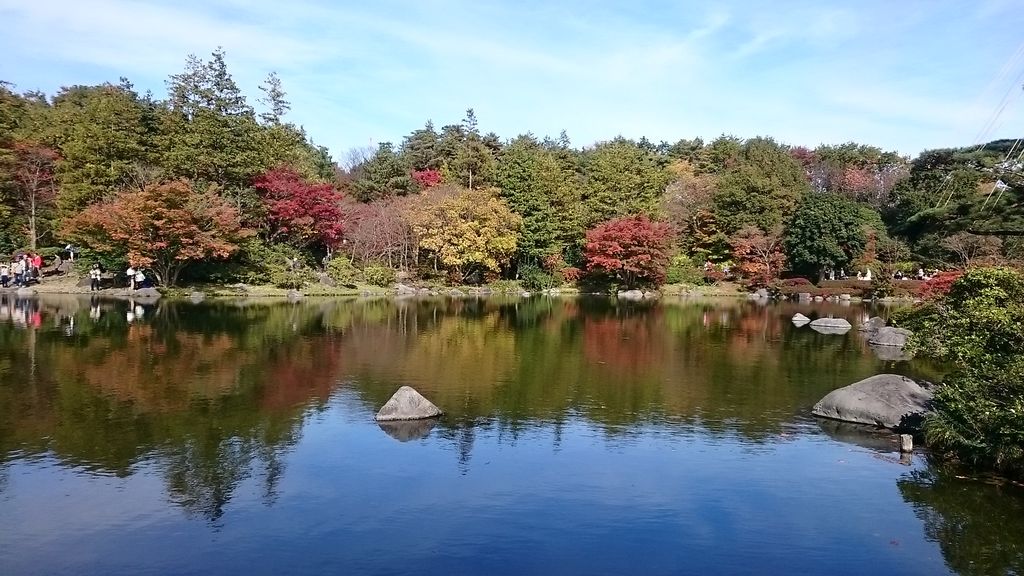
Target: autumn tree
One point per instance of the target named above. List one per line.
(300, 212)
(688, 204)
(378, 234)
(35, 186)
(970, 249)
(758, 253)
(633, 250)
(465, 231)
(164, 227)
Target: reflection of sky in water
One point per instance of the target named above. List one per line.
(353, 498)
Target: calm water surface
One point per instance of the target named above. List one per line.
(580, 437)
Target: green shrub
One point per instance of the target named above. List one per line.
(683, 270)
(342, 271)
(261, 263)
(379, 275)
(506, 286)
(534, 277)
(978, 327)
(882, 286)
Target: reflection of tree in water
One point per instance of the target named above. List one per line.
(216, 393)
(212, 396)
(202, 474)
(980, 528)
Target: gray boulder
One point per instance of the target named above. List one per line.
(146, 293)
(652, 295)
(403, 289)
(456, 293)
(885, 400)
(407, 404)
(873, 323)
(831, 326)
(804, 296)
(844, 297)
(838, 323)
(762, 293)
(800, 320)
(890, 353)
(294, 295)
(197, 296)
(889, 336)
(631, 295)
(25, 292)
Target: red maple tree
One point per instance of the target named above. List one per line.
(633, 249)
(427, 178)
(299, 211)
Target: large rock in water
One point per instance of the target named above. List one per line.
(873, 323)
(889, 336)
(407, 404)
(885, 400)
(831, 326)
(800, 320)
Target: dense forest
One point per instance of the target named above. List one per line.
(202, 186)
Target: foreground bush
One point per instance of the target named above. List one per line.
(379, 275)
(979, 328)
(342, 271)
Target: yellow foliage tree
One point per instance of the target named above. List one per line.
(465, 231)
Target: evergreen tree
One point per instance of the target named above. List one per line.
(621, 179)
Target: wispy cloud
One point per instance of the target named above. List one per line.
(904, 75)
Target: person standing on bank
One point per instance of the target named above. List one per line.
(95, 273)
(18, 269)
(130, 273)
(5, 274)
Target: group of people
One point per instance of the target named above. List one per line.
(21, 270)
(136, 277)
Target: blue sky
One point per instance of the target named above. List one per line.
(905, 75)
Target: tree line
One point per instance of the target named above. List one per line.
(202, 186)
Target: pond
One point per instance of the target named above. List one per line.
(581, 436)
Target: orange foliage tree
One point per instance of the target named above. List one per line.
(163, 227)
(758, 254)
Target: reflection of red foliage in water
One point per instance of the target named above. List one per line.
(625, 343)
(306, 372)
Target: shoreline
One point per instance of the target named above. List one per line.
(71, 287)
